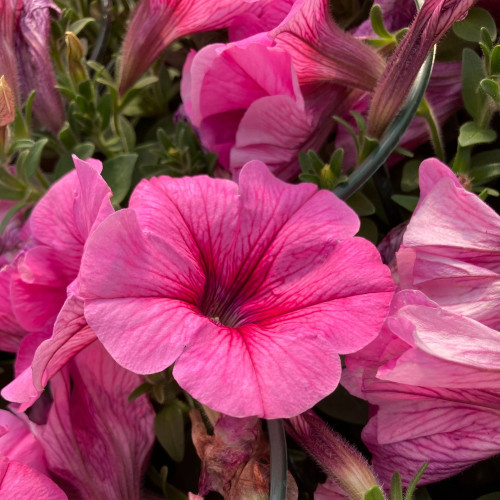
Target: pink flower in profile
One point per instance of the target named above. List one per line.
(434, 372)
(157, 23)
(42, 301)
(251, 290)
(321, 51)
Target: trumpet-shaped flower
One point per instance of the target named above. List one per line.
(321, 51)
(434, 371)
(40, 294)
(251, 290)
(157, 23)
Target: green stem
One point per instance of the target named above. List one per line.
(426, 112)
(279, 467)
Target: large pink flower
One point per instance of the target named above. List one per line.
(252, 291)
(434, 372)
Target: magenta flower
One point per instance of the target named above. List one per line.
(321, 51)
(433, 20)
(434, 371)
(252, 291)
(157, 23)
(262, 17)
(96, 442)
(239, 95)
(42, 301)
(17, 480)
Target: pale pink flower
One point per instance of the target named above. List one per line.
(157, 23)
(252, 290)
(431, 23)
(434, 371)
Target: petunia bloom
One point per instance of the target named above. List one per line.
(157, 23)
(43, 301)
(322, 51)
(433, 373)
(251, 290)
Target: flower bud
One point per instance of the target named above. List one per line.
(7, 106)
(75, 53)
(340, 461)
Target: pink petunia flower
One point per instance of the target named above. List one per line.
(157, 23)
(251, 290)
(94, 442)
(434, 371)
(44, 302)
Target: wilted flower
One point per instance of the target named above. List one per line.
(251, 290)
(34, 66)
(431, 23)
(235, 458)
(434, 371)
(7, 106)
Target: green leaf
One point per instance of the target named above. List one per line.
(470, 28)
(485, 174)
(490, 496)
(368, 230)
(78, 26)
(117, 172)
(169, 429)
(34, 156)
(422, 494)
(406, 201)
(28, 108)
(377, 22)
(139, 391)
(8, 216)
(471, 134)
(490, 87)
(105, 110)
(396, 487)
(485, 158)
(409, 178)
(472, 73)
(414, 481)
(127, 133)
(374, 493)
(495, 61)
(10, 181)
(361, 204)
